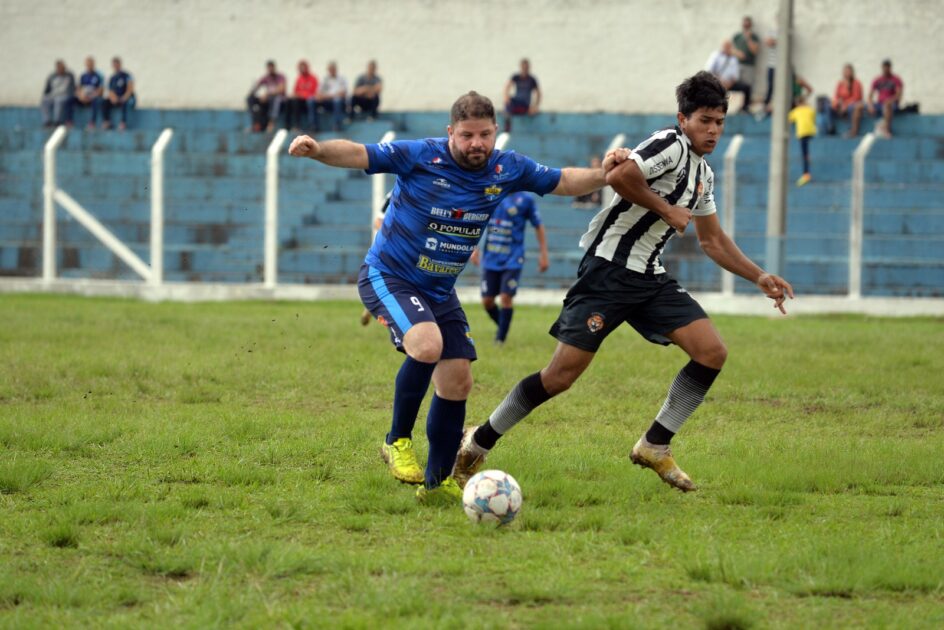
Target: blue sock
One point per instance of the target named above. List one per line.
(493, 313)
(412, 383)
(504, 323)
(444, 430)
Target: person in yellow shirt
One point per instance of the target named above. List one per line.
(804, 119)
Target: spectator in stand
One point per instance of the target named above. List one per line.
(91, 89)
(746, 47)
(725, 66)
(306, 89)
(593, 199)
(804, 119)
(367, 90)
(332, 96)
(847, 101)
(801, 89)
(885, 98)
(266, 99)
(527, 97)
(120, 95)
(771, 43)
(56, 103)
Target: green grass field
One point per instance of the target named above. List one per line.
(217, 464)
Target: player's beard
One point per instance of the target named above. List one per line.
(473, 160)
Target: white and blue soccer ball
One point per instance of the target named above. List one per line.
(492, 496)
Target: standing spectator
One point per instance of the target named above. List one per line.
(804, 119)
(771, 43)
(746, 47)
(91, 89)
(120, 94)
(56, 103)
(527, 96)
(847, 101)
(888, 88)
(333, 95)
(306, 89)
(367, 90)
(266, 99)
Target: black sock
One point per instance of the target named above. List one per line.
(658, 434)
(493, 313)
(528, 394)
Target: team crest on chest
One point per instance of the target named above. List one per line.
(492, 192)
(699, 189)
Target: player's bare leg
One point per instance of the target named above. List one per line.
(700, 340)
(566, 366)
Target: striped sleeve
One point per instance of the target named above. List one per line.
(659, 153)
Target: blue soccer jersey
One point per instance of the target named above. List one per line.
(439, 210)
(504, 240)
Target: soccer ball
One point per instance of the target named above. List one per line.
(492, 496)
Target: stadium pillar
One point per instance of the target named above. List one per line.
(779, 138)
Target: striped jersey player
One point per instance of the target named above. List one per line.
(660, 190)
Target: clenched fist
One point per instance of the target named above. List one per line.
(304, 146)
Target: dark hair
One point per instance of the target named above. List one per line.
(701, 90)
(471, 105)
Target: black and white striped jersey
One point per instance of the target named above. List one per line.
(632, 236)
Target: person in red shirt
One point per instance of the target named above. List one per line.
(847, 101)
(303, 99)
(888, 88)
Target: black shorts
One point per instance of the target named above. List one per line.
(606, 295)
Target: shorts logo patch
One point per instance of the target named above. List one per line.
(512, 283)
(468, 335)
(596, 322)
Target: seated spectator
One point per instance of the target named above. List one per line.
(306, 89)
(266, 99)
(847, 101)
(367, 90)
(592, 199)
(332, 96)
(56, 103)
(725, 66)
(885, 98)
(527, 97)
(120, 95)
(91, 89)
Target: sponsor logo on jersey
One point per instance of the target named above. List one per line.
(596, 322)
(492, 192)
(462, 248)
(439, 267)
(432, 243)
(682, 174)
(540, 168)
(439, 181)
(437, 162)
(660, 165)
(387, 147)
(462, 231)
(458, 213)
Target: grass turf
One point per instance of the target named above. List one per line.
(217, 464)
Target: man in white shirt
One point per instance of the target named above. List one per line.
(332, 95)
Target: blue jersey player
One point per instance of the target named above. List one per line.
(502, 256)
(445, 193)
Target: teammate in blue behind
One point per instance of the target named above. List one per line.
(444, 196)
(503, 257)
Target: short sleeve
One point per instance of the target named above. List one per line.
(706, 198)
(393, 157)
(658, 155)
(535, 177)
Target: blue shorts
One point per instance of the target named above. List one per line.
(398, 305)
(495, 282)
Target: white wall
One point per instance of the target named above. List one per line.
(613, 55)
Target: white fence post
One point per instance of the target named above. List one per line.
(730, 203)
(49, 204)
(157, 206)
(607, 193)
(378, 182)
(857, 215)
(270, 273)
(502, 140)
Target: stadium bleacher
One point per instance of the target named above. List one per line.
(214, 195)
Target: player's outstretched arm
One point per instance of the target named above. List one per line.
(725, 252)
(630, 184)
(343, 153)
(581, 181)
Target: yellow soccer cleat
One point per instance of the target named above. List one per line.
(401, 460)
(469, 459)
(659, 458)
(446, 494)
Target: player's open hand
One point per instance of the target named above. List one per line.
(543, 263)
(615, 157)
(304, 146)
(776, 288)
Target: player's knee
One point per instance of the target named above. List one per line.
(488, 302)
(426, 351)
(714, 356)
(506, 300)
(558, 381)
